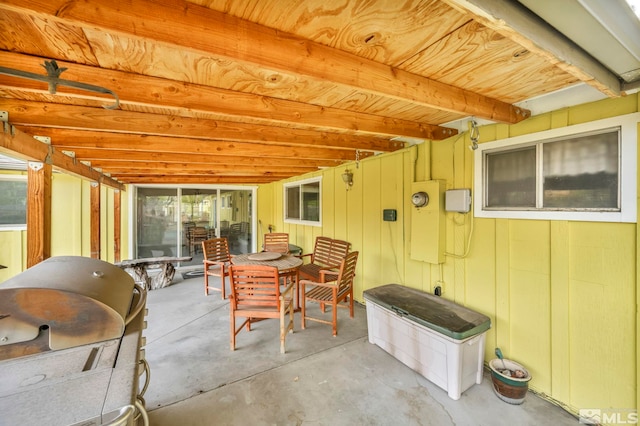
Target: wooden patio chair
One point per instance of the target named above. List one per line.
(338, 293)
(276, 242)
(239, 229)
(256, 295)
(197, 235)
(186, 226)
(238, 236)
(224, 228)
(217, 260)
(327, 255)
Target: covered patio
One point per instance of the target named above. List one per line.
(356, 106)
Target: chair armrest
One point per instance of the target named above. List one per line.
(287, 289)
(321, 284)
(333, 275)
(210, 263)
(302, 256)
(218, 262)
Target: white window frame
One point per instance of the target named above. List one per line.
(14, 227)
(628, 125)
(299, 184)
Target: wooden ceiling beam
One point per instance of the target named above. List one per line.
(92, 154)
(45, 114)
(149, 92)
(123, 167)
(69, 140)
(13, 142)
(221, 149)
(160, 165)
(224, 36)
(171, 179)
(122, 175)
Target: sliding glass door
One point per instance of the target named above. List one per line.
(174, 221)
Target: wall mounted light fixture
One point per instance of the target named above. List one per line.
(347, 178)
(474, 134)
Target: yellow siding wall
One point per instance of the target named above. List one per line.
(561, 295)
(67, 228)
(70, 229)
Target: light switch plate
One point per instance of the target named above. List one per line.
(389, 215)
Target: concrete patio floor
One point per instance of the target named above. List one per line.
(321, 380)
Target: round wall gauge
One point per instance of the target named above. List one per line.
(420, 199)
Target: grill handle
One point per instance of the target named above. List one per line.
(142, 300)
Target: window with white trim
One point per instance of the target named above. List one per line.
(583, 172)
(302, 202)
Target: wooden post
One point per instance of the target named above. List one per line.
(38, 212)
(95, 220)
(117, 199)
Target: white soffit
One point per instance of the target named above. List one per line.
(564, 98)
(607, 30)
(570, 96)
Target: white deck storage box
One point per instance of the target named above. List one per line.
(441, 340)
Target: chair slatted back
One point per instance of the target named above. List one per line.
(347, 272)
(239, 228)
(216, 250)
(197, 234)
(276, 242)
(198, 231)
(329, 252)
(255, 287)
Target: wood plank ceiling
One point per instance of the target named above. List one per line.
(253, 91)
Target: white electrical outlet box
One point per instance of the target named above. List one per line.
(458, 200)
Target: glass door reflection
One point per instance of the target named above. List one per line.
(156, 222)
(236, 220)
(199, 221)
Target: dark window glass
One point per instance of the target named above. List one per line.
(582, 172)
(311, 201)
(293, 202)
(511, 178)
(13, 202)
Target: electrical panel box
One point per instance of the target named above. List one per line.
(458, 200)
(389, 215)
(428, 222)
